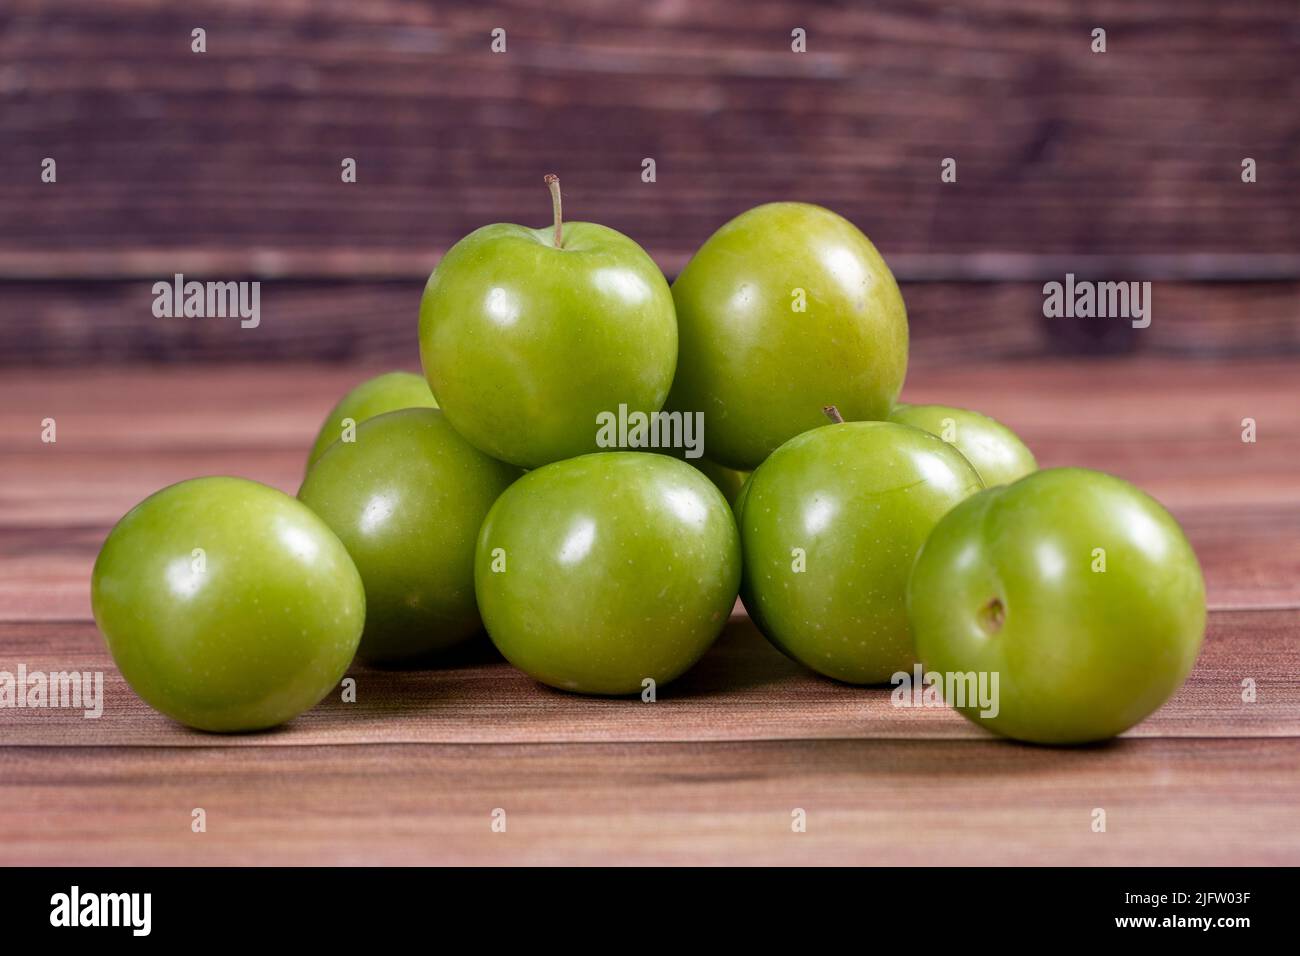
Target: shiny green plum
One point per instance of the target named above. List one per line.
(527, 335)
(407, 499)
(785, 308)
(227, 605)
(383, 393)
(598, 573)
(996, 451)
(1076, 589)
(830, 526)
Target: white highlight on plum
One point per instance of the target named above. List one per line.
(939, 472)
(501, 307)
(817, 518)
(376, 514)
(577, 543)
(622, 284)
(302, 544)
(182, 579)
(687, 505)
(845, 266)
(1143, 529)
(1050, 560)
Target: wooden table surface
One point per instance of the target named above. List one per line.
(713, 771)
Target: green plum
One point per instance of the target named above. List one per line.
(383, 393)
(728, 480)
(526, 335)
(996, 451)
(830, 525)
(1076, 589)
(598, 573)
(785, 308)
(407, 499)
(226, 604)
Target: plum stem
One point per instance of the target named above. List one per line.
(833, 414)
(992, 615)
(553, 181)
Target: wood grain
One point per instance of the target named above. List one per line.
(1121, 166)
(1059, 149)
(867, 802)
(710, 772)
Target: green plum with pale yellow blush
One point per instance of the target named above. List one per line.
(527, 335)
(1076, 589)
(996, 451)
(785, 308)
(388, 392)
(407, 498)
(830, 525)
(227, 605)
(601, 572)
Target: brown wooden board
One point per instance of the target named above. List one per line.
(163, 152)
(866, 802)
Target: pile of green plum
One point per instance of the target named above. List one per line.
(863, 535)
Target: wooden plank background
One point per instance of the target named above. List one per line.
(1123, 165)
